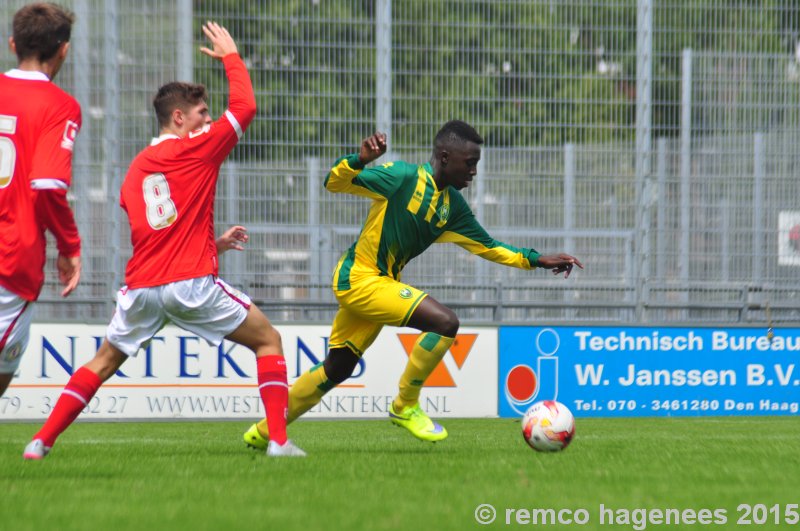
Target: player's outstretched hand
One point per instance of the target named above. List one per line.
(221, 41)
(69, 273)
(559, 263)
(372, 147)
(233, 238)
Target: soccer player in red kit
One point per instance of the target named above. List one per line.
(38, 125)
(168, 194)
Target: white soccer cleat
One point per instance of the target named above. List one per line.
(288, 449)
(35, 450)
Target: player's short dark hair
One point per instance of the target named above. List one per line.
(456, 132)
(40, 29)
(176, 95)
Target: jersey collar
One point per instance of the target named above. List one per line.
(168, 136)
(29, 75)
(428, 168)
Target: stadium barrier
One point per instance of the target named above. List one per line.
(489, 371)
(179, 376)
(650, 371)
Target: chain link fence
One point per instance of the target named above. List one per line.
(656, 140)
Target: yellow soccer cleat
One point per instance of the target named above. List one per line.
(254, 439)
(418, 423)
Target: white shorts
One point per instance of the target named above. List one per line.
(206, 306)
(16, 314)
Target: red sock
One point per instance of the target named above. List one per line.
(76, 394)
(274, 394)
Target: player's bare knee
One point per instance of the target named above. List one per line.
(266, 343)
(448, 324)
(107, 361)
(273, 338)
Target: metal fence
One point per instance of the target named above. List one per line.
(656, 140)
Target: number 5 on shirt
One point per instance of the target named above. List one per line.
(8, 152)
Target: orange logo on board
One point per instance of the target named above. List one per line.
(460, 349)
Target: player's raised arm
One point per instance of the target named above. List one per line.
(221, 41)
(241, 99)
(380, 182)
(372, 147)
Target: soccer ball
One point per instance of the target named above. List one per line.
(548, 426)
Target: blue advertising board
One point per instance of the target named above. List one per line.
(642, 371)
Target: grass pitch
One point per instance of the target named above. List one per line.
(370, 475)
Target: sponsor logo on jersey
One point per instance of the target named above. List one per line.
(197, 132)
(70, 133)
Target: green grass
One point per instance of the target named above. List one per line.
(369, 475)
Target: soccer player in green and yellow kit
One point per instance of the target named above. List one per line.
(413, 206)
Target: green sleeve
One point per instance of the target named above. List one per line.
(349, 176)
(464, 230)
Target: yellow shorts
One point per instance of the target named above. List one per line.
(369, 304)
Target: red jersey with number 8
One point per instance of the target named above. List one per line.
(169, 193)
(38, 126)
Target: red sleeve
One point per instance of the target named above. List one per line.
(213, 143)
(242, 99)
(54, 213)
(52, 160)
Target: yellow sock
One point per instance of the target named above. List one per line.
(426, 354)
(305, 393)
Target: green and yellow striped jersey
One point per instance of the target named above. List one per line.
(407, 215)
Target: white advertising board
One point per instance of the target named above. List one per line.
(181, 376)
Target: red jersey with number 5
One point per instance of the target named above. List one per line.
(169, 193)
(38, 126)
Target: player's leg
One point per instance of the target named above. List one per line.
(308, 391)
(348, 330)
(15, 324)
(439, 326)
(351, 336)
(5, 379)
(138, 316)
(258, 334)
(80, 389)
(215, 311)
(387, 301)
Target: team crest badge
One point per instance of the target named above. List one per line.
(405, 293)
(444, 212)
(13, 352)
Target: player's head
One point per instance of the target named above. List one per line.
(41, 33)
(456, 152)
(181, 107)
